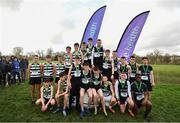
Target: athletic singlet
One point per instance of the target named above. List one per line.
(106, 89)
(76, 70)
(139, 89)
(89, 51)
(123, 88)
(47, 92)
(67, 61)
(96, 80)
(145, 72)
(107, 64)
(98, 52)
(60, 68)
(133, 70)
(76, 54)
(48, 70)
(86, 78)
(35, 70)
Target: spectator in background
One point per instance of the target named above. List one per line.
(8, 69)
(0, 70)
(3, 74)
(16, 70)
(23, 68)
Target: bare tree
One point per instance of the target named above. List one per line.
(167, 58)
(49, 51)
(18, 51)
(157, 54)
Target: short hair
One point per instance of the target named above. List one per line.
(132, 57)
(114, 51)
(83, 43)
(99, 40)
(107, 50)
(122, 72)
(123, 57)
(36, 56)
(144, 58)
(48, 56)
(76, 57)
(96, 68)
(62, 74)
(76, 44)
(86, 64)
(68, 47)
(90, 39)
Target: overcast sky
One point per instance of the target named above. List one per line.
(42, 24)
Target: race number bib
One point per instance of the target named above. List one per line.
(133, 75)
(34, 73)
(85, 80)
(124, 94)
(106, 94)
(144, 77)
(140, 97)
(77, 73)
(105, 65)
(85, 58)
(96, 54)
(47, 74)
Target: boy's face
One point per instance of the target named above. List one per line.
(86, 67)
(90, 42)
(138, 78)
(36, 59)
(123, 60)
(132, 60)
(123, 76)
(46, 83)
(145, 61)
(76, 61)
(76, 47)
(99, 43)
(96, 72)
(63, 78)
(68, 50)
(83, 46)
(104, 78)
(114, 54)
(48, 59)
(107, 54)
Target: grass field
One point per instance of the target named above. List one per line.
(15, 102)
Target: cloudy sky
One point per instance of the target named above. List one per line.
(42, 24)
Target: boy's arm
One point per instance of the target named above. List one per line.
(42, 99)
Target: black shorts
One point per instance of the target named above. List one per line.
(131, 80)
(66, 71)
(56, 80)
(138, 103)
(50, 79)
(148, 84)
(122, 99)
(85, 86)
(96, 87)
(35, 80)
(45, 101)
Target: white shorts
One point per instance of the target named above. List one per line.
(108, 98)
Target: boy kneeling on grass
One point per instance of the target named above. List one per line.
(139, 92)
(108, 93)
(46, 96)
(62, 91)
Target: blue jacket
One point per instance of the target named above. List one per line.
(15, 66)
